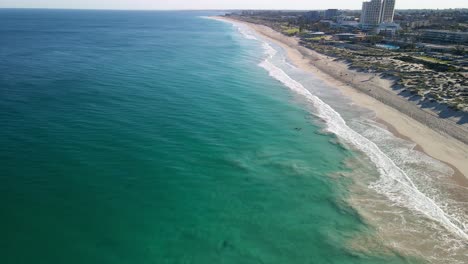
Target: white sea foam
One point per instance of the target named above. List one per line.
(393, 182)
(285, 61)
(242, 29)
(269, 50)
(245, 32)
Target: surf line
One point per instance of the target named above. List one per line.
(394, 182)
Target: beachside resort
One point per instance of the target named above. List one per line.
(424, 52)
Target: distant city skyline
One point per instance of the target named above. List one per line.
(219, 4)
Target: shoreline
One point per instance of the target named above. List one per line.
(458, 176)
(440, 146)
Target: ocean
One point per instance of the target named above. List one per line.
(170, 137)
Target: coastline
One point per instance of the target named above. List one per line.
(435, 144)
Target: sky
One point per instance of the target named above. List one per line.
(224, 4)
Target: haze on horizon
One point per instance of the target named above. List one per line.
(220, 4)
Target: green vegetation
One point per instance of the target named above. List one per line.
(291, 31)
(431, 59)
(414, 71)
(315, 39)
(436, 66)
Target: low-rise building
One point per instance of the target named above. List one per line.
(331, 13)
(387, 29)
(316, 34)
(444, 36)
(312, 16)
(418, 23)
(346, 36)
(347, 21)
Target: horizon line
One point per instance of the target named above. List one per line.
(212, 9)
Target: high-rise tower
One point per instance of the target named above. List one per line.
(388, 11)
(375, 12)
(371, 12)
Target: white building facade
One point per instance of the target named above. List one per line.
(375, 12)
(371, 12)
(388, 11)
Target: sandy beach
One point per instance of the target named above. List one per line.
(434, 143)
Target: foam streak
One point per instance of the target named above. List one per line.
(394, 182)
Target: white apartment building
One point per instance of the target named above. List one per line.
(375, 12)
(371, 13)
(388, 11)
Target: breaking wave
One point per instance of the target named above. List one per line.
(245, 33)
(393, 182)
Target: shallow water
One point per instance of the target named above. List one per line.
(149, 137)
(143, 137)
(415, 189)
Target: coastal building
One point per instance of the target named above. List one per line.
(248, 13)
(316, 34)
(347, 36)
(388, 11)
(312, 16)
(370, 16)
(387, 29)
(375, 12)
(331, 13)
(347, 21)
(415, 23)
(445, 36)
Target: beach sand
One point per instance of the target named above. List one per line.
(435, 144)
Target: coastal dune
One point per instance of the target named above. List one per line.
(430, 133)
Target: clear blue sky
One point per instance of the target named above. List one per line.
(224, 4)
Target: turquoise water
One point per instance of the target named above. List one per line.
(387, 46)
(154, 137)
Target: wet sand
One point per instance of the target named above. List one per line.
(435, 144)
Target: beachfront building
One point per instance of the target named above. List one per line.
(347, 36)
(388, 29)
(416, 23)
(445, 36)
(347, 22)
(370, 16)
(388, 11)
(375, 12)
(315, 34)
